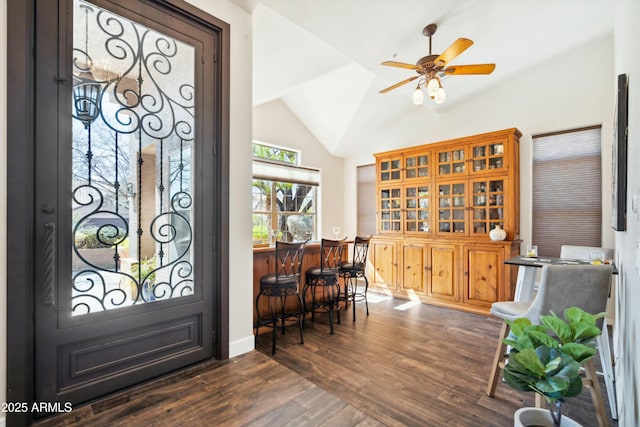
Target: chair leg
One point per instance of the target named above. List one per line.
(591, 381)
(300, 318)
(274, 326)
(257, 321)
(334, 299)
(540, 402)
(607, 369)
(366, 288)
(353, 288)
(498, 361)
(330, 300)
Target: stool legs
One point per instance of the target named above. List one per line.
(278, 318)
(329, 299)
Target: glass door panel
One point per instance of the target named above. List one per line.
(390, 210)
(451, 162)
(417, 166)
(132, 164)
(417, 209)
(487, 156)
(451, 208)
(389, 170)
(487, 205)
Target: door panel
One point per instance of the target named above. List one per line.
(482, 267)
(413, 267)
(384, 258)
(123, 292)
(443, 280)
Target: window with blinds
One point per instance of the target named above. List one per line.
(567, 190)
(284, 196)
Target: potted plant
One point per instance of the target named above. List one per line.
(546, 358)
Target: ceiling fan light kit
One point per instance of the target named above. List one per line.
(428, 67)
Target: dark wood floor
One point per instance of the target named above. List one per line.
(405, 364)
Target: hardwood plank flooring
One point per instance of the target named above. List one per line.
(405, 364)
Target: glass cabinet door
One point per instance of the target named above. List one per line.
(488, 156)
(451, 208)
(416, 166)
(389, 170)
(487, 205)
(417, 209)
(451, 162)
(390, 209)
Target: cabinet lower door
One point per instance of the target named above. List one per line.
(384, 260)
(482, 275)
(443, 272)
(414, 268)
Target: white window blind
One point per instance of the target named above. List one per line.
(279, 172)
(567, 190)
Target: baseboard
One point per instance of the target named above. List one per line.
(238, 347)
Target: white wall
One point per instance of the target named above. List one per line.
(627, 337)
(240, 252)
(3, 208)
(274, 123)
(560, 94)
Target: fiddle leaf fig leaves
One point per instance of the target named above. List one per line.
(546, 358)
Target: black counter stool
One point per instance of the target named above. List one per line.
(284, 283)
(325, 278)
(351, 271)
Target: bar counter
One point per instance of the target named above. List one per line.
(263, 264)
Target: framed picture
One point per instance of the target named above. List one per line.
(619, 157)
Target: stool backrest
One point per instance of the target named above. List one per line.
(331, 253)
(564, 286)
(360, 250)
(289, 256)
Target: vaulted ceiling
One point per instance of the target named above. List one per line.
(322, 57)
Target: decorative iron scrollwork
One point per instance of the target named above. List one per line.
(134, 97)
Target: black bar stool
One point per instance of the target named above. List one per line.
(283, 283)
(324, 277)
(351, 271)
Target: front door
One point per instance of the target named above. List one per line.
(126, 178)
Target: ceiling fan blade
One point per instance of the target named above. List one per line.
(400, 65)
(456, 48)
(470, 69)
(405, 81)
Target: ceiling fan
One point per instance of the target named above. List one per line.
(431, 67)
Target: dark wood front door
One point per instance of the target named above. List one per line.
(128, 183)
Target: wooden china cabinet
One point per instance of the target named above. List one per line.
(436, 204)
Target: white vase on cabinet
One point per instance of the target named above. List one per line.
(497, 234)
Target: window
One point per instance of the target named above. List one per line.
(366, 176)
(275, 154)
(284, 196)
(567, 190)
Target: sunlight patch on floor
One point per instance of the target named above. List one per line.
(377, 298)
(407, 305)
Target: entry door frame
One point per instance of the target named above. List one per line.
(20, 194)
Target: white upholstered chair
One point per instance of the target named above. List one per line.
(561, 286)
